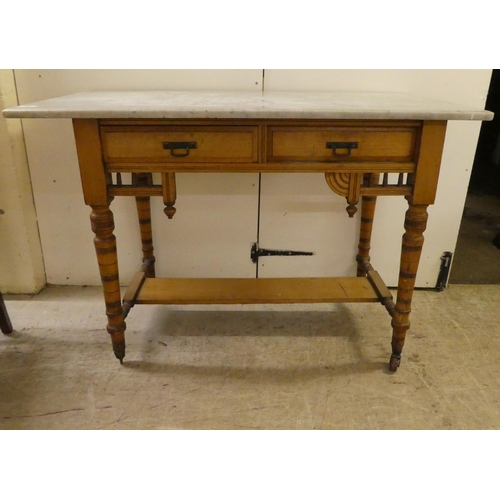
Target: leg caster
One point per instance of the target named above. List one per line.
(119, 350)
(118, 341)
(105, 246)
(413, 239)
(394, 362)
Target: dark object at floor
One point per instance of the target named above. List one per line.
(444, 271)
(5, 324)
(496, 240)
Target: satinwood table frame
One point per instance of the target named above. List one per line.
(373, 151)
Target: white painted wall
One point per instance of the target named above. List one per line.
(216, 221)
(215, 224)
(21, 265)
(315, 218)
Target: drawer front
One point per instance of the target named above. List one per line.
(341, 144)
(183, 144)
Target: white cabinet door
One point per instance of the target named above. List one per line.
(217, 214)
(216, 220)
(299, 212)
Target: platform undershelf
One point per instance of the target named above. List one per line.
(254, 291)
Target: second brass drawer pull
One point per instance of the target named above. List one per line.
(342, 145)
(176, 146)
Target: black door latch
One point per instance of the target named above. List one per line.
(444, 271)
(257, 252)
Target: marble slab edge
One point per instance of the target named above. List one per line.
(20, 112)
(246, 105)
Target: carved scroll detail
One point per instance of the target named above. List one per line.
(347, 185)
(352, 185)
(338, 182)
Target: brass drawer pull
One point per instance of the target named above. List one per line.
(175, 146)
(342, 145)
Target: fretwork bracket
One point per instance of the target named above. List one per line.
(352, 185)
(142, 186)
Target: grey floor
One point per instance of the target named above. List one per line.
(257, 367)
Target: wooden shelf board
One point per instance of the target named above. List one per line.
(255, 291)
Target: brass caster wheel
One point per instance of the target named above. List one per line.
(119, 350)
(394, 362)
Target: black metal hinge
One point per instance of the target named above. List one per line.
(444, 271)
(257, 252)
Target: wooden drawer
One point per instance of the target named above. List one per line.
(341, 143)
(179, 144)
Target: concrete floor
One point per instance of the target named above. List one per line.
(257, 367)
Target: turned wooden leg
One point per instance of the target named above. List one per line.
(144, 213)
(365, 233)
(169, 194)
(368, 204)
(102, 224)
(5, 324)
(413, 239)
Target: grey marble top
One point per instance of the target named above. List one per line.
(246, 104)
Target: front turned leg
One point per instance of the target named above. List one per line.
(105, 246)
(413, 240)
